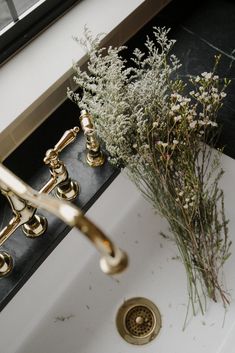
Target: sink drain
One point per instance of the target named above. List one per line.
(138, 321)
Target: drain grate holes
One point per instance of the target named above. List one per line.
(138, 321)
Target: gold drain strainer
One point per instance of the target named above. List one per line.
(138, 321)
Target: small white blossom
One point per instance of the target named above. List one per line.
(207, 75)
(177, 118)
(163, 144)
(213, 123)
(215, 96)
(193, 124)
(202, 122)
(175, 107)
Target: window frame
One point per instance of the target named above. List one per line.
(30, 25)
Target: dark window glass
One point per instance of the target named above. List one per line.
(5, 15)
(21, 20)
(23, 5)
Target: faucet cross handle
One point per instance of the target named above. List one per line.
(51, 158)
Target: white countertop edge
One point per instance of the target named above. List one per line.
(33, 83)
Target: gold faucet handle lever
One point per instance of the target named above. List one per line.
(68, 137)
(52, 155)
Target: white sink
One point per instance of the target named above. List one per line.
(70, 306)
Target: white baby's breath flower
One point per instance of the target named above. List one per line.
(202, 122)
(215, 96)
(193, 124)
(163, 144)
(207, 75)
(177, 118)
(175, 107)
(213, 123)
(155, 124)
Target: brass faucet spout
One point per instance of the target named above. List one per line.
(113, 260)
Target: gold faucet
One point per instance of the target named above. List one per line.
(95, 157)
(24, 214)
(113, 259)
(66, 188)
(34, 225)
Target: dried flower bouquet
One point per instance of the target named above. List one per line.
(159, 133)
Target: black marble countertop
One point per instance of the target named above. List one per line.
(202, 29)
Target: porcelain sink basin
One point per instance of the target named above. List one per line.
(70, 306)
